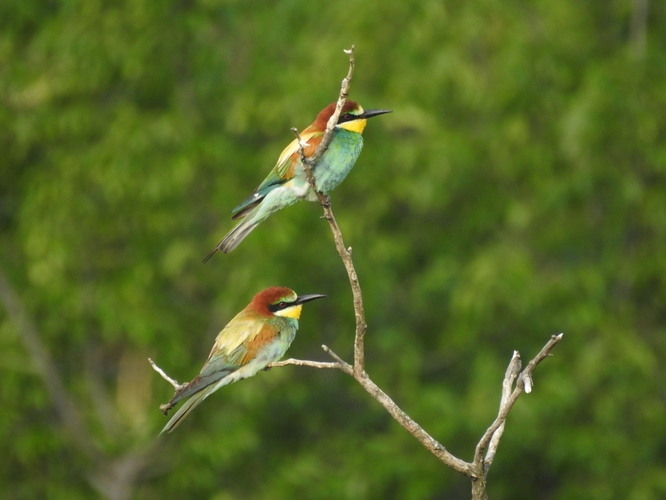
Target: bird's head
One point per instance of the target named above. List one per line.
(352, 117)
(281, 301)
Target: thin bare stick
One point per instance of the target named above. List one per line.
(345, 367)
(343, 251)
(330, 125)
(305, 362)
(358, 370)
(507, 385)
(357, 294)
(477, 470)
(176, 386)
(511, 400)
(342, 98)
(46, 369)
(399, 415)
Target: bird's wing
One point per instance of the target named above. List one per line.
(233, 349)
(237, 343)
(234, 346)
(282, 172)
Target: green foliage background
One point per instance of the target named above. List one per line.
(518, 190)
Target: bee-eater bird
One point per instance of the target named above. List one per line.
(287, 182)
(258, 335)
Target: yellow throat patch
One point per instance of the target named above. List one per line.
(293, 312)
(357, 126)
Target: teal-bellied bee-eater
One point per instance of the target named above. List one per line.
(258, 335)
(287, 182)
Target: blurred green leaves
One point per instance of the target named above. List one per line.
(516, 191)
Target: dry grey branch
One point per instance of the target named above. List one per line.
(305, 362)
(507, 385)
(65, 407)
(514, 383)
(476, 470)
(511, 400)
(358, 368)
(176, 386)
(347, 367)
(345, 254)
(430, 443)
(344, 93)
(114, 477)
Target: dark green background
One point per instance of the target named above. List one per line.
(518, 190)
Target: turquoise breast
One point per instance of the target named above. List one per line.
(338, 160)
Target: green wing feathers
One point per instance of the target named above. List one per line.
(282, 172)
(234, 346)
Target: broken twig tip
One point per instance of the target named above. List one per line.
(527, 383)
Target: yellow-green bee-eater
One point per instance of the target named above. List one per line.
(287, 183)
(258, 335)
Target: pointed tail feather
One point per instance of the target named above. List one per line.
(234, 237)
(207, 257)
(197, 390)
(199, 383)
(277, 199)
(237, 235)
(187, 407)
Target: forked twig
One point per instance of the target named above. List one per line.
(514, 384)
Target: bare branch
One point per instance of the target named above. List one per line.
(112, 476)
(304, 159)
(176, 386)
(346, 367)
(543, 354)
(357, 294)
(308, 164)
(27, 330)
(511, 400)
(342, 98)
(507, 385)
(477, 470)
(330, 125)
(343, 251)
(430, 443)
(305, 362)
(358, 370)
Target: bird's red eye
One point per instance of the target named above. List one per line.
(282, 305)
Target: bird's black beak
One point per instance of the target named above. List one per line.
(374, 112)
(302, 299)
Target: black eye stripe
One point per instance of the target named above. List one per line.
(279, 306)
(346, 117)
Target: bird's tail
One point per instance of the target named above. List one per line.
(186, 408)
(234, 237)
